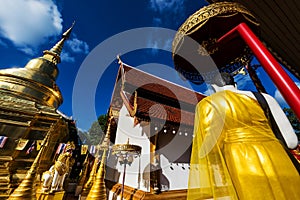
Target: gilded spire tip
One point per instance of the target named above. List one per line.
(56, 50)
(67, 33)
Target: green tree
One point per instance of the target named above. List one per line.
(293, 119)
(96, 131)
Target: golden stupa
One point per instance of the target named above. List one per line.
(29, 98)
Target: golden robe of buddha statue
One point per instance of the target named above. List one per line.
(235, 153)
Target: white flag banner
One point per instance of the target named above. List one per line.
(2, 141)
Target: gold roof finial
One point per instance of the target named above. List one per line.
(98, 190)
(27, 188)
(88, 185)
(119, 59)
(94, 174)
(56, 50)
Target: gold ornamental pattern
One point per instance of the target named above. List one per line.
(199, 18)
(130, 148)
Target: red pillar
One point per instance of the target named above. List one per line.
(283, 82)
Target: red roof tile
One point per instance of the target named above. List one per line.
(157, 98)
(160, 86)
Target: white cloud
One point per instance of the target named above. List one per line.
(66, 57)
(167, 9)
(27, 50)
(156, 43)
(29, 23)
(73, 45)
(163, 5)
(280, 98)
(78, 46)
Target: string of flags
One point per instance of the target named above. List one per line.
(61, 148)
(36, 144)
(22, 143)
(2, 141)
(31, 148)
(85, 148)
(39, 144)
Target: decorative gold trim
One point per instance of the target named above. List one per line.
(128, 148)
(134, 104)
(204, 47)
(29, 89)
(199, 18)
(132, 109)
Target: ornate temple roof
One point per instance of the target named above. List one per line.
(155, 98)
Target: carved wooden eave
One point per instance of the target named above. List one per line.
(144, 94)
(131, 108)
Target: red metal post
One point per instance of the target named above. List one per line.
(283, 82)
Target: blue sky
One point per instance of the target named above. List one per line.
(27, 27)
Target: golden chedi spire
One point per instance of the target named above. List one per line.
(36, 81)
(98, 190)
(53, 54)
(27, 188)
(88, 185)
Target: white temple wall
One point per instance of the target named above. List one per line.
(177, 174)
(137, 175)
